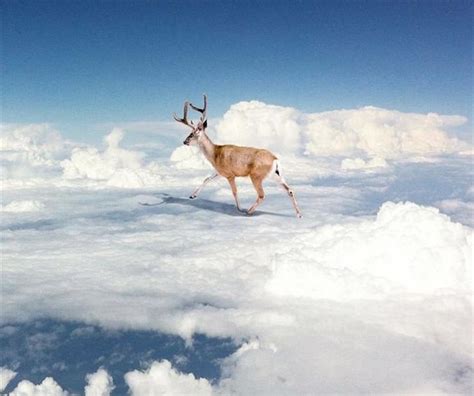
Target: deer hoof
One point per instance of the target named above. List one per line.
(192, 196)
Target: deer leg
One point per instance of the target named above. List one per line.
(233, 186)
(290, 192)
(257, 183)
(206, 180)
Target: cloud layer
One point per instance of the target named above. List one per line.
(367, 132)
(362, 293)
(348, 289)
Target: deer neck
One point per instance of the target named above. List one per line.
(207, 148)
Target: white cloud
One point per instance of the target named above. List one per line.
(257, 124)
(35, 143)
(382, 133)
(30, 150)
(393, 254)
(359, 163)
(99, 383)
(162, 379)
(22, 206)
(340, 300)
(368, 132)
(48, 387)
(186, 157)
(116, 166)
(6, 375)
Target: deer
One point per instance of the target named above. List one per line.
(230, 161)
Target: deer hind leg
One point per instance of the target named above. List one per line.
(233, 186)
(206, 180)
(279, 178)
(257, 183)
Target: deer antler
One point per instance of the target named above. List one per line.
(203, 110)
(184, 120)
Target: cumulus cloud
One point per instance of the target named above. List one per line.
(22, 206)
(48, 387)
(6, 375)
(359, 163)
(117, 166)
(30, 150)
(162, 379)
(368, 132)
(382, 295)
(186, 157)
(328, 291)
(37, 144)
(378, 132)
(258, 124)
(393, 254)
(99, 383)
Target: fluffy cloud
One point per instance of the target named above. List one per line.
(99, 384)
(368, 132)
(30, 151)
(350, 297)
(186, 157)
(162, 379)
(38, 144)
(257, 124)
(393, 254)
(324, 292)
(6, 375)
(359, 163)
(116, 166)
(48, 387)
(382, 133)
(22, 206)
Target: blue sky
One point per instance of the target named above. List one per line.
(78, 64)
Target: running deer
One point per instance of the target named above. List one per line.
(232, 161)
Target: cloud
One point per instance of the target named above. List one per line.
(393, 254)
(115, 166)
(328, 291)
(257, 124)
(30, 150)
(6, 376)
(359, 163)
(34, 143)
(48, 387)
(99, 384)
(162, 379)
(368, 132)
(186, 157)
(458, 209)
(363, 293)
(22, 206)
(377, 132)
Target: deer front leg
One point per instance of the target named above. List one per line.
(233, 186)
(257, 183)
(206, 180)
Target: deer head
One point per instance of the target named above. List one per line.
(198, 129)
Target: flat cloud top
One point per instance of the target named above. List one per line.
(359, 274)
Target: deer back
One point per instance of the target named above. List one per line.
(232, 161)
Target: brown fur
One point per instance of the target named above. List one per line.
(237, 161)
